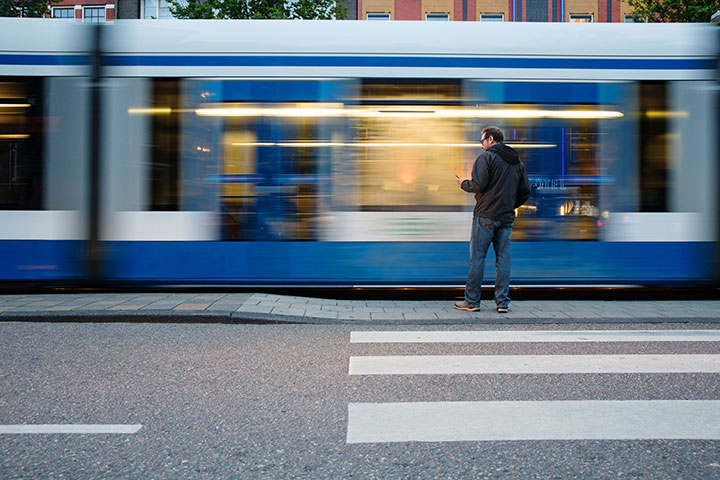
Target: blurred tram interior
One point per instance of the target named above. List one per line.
(323, 153)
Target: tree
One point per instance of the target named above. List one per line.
(681, 11)
(258, 9)
(25, 8)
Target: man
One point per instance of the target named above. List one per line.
(500, 184)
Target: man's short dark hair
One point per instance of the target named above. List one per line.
(494, 132)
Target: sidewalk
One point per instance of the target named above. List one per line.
(269, 308)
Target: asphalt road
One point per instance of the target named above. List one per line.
(263, 401)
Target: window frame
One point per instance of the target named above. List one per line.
(438, 16)
(628, 19)
(63, 8)
(483, 17)
(581, 18)
(157, 9)
(377, 16)
(89, 8)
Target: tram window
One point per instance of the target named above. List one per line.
(654, 147)
(412, 135)
(21, 144)
(562, 164)
(164, 169)
(274, 187)
(406, 154)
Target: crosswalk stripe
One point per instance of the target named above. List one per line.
(531, 364)
(533, 420)
(478, 336)
(69, 428)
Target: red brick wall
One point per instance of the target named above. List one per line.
(408, 10)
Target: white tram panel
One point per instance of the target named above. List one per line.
(175, 43)
(29, 42)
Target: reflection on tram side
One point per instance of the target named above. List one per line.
(288, 171)
(295, 171)
(328, 170)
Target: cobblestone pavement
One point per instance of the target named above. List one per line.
(271, 308)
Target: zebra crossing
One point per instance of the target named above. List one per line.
(590, 419)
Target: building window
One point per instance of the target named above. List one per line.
(378, 16)
(94, 14)
(439, 17)
(629, 19)
(581, 17)
(492, 17)
(156, 9)
(63, 12)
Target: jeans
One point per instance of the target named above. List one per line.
(484, 232)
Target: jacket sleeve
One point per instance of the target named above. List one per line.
(523, 191)
(479, 179)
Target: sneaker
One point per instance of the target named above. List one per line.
(466, 306)
(502, 309)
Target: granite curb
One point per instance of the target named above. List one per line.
(162, 316)
(268, 308)
(171, 316)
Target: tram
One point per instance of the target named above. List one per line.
(325, 152)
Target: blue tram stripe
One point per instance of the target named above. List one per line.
(44, 59)
(362, 61)
(404, 62)
(406, 263)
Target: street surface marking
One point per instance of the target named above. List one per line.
(530, 420)
(12, 429)
(533, 364)
(477, 336)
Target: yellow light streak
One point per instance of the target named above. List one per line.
(150, 111)
(254, 144)
(309, 144)
(14, 136)
(302, 111)
(14, 105)
(666, 114)
(532, 113)
(299, 110)
(381, 145)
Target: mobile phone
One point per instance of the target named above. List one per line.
(457, 177)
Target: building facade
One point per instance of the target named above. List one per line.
(88, 11)
(493, 10)
(99, 11)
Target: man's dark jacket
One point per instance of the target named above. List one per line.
(499, 182)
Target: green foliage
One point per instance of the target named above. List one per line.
(257, 9)
(680, 11)
(318, 10)
(25, 8)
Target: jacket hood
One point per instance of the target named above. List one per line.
(506, 153)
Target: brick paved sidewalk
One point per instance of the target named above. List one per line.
(270, 308)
